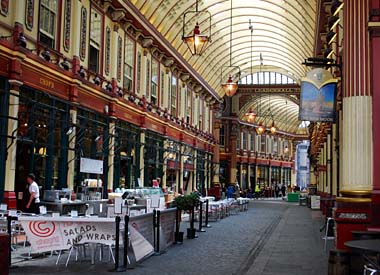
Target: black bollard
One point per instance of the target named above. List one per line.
(9, 225)
(206, 221)
(177, 223)
(157, 250)
(126, 241)
(200, 229)
(118, 268)
(154, 229)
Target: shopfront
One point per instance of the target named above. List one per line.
(4, 99)
(173, 151)
(188, 168)
(127, 155)
(200, 171)
(92, 141)
(153, 157)
(42, 141)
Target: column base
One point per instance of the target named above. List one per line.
(375, 209)
(352, 213)
(10, 199)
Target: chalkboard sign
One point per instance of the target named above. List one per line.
(92, 166)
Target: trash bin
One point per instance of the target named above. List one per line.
(4, 254)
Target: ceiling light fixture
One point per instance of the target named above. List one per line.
(250, 116)
(230, 87)
(196, 42)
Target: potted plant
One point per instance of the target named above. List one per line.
(186, 203)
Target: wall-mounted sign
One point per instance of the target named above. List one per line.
(318, 94)
(92, 166)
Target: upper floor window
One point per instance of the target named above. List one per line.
(129, 61)
(265, 78)
(173, 100)
(221, 136)
(147, 79)
(252, 147)
(162, 89)
(154, 81)
(245, 140)
(263, 143)
(48, 22)
(95, 40)
(188, 106)
(138, 73)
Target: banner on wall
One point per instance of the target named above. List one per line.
(318, 96)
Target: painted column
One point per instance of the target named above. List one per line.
(234, 131)
(141, 160)
(216, 156)
(165, 164)
(111, 156)
(179, 186)
(10, 165)
(374, 28)
(353, 207)
(71, 152)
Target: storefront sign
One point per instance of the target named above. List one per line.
(60, 233)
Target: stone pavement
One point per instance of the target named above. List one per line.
(272, 237)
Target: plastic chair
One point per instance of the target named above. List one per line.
(327, 236)
(371, 270)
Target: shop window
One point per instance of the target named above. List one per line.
(95, 40)
(154, 82)
(48, 22)
(129, 51)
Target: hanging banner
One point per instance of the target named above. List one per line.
(318, 96)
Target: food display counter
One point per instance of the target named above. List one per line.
(65, 207)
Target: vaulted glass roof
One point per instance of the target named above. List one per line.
(283, 34)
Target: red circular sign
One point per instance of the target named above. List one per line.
(42, 229)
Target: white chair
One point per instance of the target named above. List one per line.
(327, 236)
(371, 270)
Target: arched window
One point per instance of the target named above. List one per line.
(260, 78)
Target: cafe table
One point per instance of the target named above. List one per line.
(367, 248)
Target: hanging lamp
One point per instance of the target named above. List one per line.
(196, 42)
(230, 87)
(250, 116)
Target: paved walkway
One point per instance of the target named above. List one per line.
(272, 237)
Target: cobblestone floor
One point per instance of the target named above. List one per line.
(272, 237)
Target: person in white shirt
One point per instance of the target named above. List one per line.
(33, 205)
